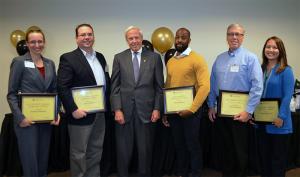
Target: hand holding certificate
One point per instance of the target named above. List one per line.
(231, 103)
(178, 99)
(90, 98)
(39, 107)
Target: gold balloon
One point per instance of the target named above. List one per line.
(16, 36)
(33, 28)
(162, 39)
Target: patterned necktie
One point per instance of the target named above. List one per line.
(136, 67)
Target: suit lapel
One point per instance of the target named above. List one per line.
(36, 73)
(143, 64)
(48, 74)
(98, 56)
(84, 63)
(129, 64)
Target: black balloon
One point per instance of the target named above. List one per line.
(169, 54)
(21, 47)
(148, 45)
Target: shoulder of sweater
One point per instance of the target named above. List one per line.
(195, 56)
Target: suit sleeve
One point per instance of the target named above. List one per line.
(115, 85)
(14, 83)
(64, 81)
(158, 83)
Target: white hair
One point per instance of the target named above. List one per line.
(236, 25)
(131, 28)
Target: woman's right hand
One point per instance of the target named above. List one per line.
(26, 123)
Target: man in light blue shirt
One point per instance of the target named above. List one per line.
(235, 70)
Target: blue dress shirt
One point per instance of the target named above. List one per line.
(238, 70)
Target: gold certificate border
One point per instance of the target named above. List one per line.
(187, 88)
(24, 97)
(87, 88)
(266, 120)
(222, 94)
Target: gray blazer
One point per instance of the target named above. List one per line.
(147, 94)
(28, 80)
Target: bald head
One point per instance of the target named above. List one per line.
(185, 30)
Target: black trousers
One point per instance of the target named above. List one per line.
(273, 152)
(142, 135)
(235, 143)
(185, 132)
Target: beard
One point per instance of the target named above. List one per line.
(181, 48)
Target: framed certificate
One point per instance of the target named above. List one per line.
(267, 110)
(178, 99)
(232, 102)
(89, 98)
(39, 107)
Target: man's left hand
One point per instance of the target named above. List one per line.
(185, 113)
(155, 115)
(242, 117)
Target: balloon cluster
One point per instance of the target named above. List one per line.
(169, 54)
(147, 45)
(17, 38)
(162, 39)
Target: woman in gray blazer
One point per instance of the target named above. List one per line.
(32, 73)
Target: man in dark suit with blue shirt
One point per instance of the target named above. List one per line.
(79, 68)
(136, 98)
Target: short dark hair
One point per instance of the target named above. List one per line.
(81, 25)
(185, 29)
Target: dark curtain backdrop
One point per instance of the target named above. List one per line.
(163, 156)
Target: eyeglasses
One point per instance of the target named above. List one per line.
(235, 34)
(36, 42)
(86, 35)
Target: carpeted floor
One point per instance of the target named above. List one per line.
(206, 173)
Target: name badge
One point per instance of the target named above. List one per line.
(234, 68)
(29, 64)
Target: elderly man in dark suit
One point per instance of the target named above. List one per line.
(136, 98)
(83, 67)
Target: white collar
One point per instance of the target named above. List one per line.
(186, 52)
(139, 51)
(87, 54)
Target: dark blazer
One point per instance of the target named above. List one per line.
(75, 71)
(27, 79)
(146, 94)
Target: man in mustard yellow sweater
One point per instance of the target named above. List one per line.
(187, 68)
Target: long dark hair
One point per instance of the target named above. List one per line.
(282, 59)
